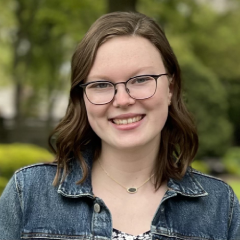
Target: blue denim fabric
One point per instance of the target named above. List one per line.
(198, 207)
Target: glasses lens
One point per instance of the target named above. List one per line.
(141, 87)
(100, 92)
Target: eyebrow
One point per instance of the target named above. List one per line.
(135, 73)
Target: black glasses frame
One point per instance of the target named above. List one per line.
(84, 85)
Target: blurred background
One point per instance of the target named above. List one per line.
(38, 38)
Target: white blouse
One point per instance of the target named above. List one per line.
(118, 235)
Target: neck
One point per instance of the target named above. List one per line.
(130, 167)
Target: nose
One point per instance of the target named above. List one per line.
(122, 98)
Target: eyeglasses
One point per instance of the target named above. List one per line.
(139, 88)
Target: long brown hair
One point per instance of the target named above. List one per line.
(73, 135)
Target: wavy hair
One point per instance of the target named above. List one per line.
(73, 135)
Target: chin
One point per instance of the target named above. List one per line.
(130, 145)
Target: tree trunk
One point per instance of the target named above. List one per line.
(20, 62)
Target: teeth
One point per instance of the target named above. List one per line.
(127, 121)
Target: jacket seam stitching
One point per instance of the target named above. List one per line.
(36, 165)
(231, 208)
(208, 176)
(179, 236)
(18, 192)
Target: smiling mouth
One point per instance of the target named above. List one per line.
(127, 120)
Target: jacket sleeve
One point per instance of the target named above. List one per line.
(10, 212)
(234, 217)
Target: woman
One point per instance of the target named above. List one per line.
(123, 151)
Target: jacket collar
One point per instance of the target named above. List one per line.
(68, 186)
(187, 186)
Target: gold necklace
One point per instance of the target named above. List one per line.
(129, 190)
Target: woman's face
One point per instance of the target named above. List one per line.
(117, 60)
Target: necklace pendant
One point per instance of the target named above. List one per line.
(132, 190)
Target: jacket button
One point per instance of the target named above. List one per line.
(97, 208)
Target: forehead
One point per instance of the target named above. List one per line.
(126, 56)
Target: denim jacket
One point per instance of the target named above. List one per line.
(198, 207)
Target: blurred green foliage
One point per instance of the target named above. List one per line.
(231, 160)
(3, 183)
(200, 166)
(206, 98)
(15, 156)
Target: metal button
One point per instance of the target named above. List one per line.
(162, 209)
(97, 208)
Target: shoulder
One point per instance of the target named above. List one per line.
(36, 167)
(30, 181)
(205, 177)
(39, 174)
(222, 197)
(212, 185)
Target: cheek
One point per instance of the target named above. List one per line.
(159, 107)
(162, 97)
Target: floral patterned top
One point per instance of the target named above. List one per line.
(118, 235)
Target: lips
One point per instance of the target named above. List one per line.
(127, 120)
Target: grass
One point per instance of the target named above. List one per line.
(235, 184)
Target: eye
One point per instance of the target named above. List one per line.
(100, 85)
(140, 80)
